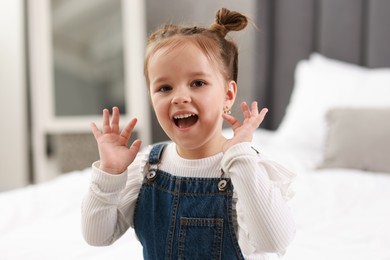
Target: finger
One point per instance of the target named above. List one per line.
(261, 116)
(115, 120)
(245, 110)
(106, 121)
(233, 122)
(263, 112)
(128, 130)
(96, 132)
(135, 146)
(254, 108)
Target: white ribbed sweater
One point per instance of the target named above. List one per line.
(265, 223)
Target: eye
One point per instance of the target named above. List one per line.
(164, 88)
(198, 83)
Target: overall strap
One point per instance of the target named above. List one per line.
(156, 152)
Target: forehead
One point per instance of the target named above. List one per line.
(179, 56)
(197, 43)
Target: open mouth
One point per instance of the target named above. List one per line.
(185, 120)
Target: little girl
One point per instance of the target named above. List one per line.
(200, 196)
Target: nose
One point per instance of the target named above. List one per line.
(181, 97)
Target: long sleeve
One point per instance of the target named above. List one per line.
(265, 223)
(108, 206)
(262, 188)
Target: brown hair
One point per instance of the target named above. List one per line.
(211, 41)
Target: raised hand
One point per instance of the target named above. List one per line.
(243, 132)
(114, 154)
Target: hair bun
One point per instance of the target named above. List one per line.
(226, 20)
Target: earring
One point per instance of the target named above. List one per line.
(227, 110)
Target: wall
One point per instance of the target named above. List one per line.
(14, 145)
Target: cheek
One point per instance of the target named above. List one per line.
(155, 105)
(212, 109)
(155, 100)
(214, 101)
(159, 107)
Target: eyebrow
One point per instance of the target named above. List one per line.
(199, 73)
(193, 74)
(158, 80)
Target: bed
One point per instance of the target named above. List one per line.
(327, 86)
(341, 209)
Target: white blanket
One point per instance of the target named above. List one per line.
(43, 221)
(340, 215)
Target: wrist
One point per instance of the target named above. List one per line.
(106, 182)
(110, 170)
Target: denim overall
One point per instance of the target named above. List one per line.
(183, 217)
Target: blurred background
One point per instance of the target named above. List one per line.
(63, 61)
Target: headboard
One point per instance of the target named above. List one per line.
(355, 31)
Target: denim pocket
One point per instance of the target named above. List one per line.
(200, 238)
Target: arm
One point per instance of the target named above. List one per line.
(263, 214)
(107, 207)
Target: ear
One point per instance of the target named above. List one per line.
(231, 94)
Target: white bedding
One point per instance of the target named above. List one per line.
(340, 214)
(42, 222)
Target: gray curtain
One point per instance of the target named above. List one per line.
(355, 31)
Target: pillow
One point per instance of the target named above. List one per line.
(321, 84)
(358, 139)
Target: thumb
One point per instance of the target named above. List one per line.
(135, 147)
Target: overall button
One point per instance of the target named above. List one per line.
(222, 185)
(151, 175)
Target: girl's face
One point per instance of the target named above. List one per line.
(189, 95)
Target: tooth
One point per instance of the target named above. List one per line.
(183, 116)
